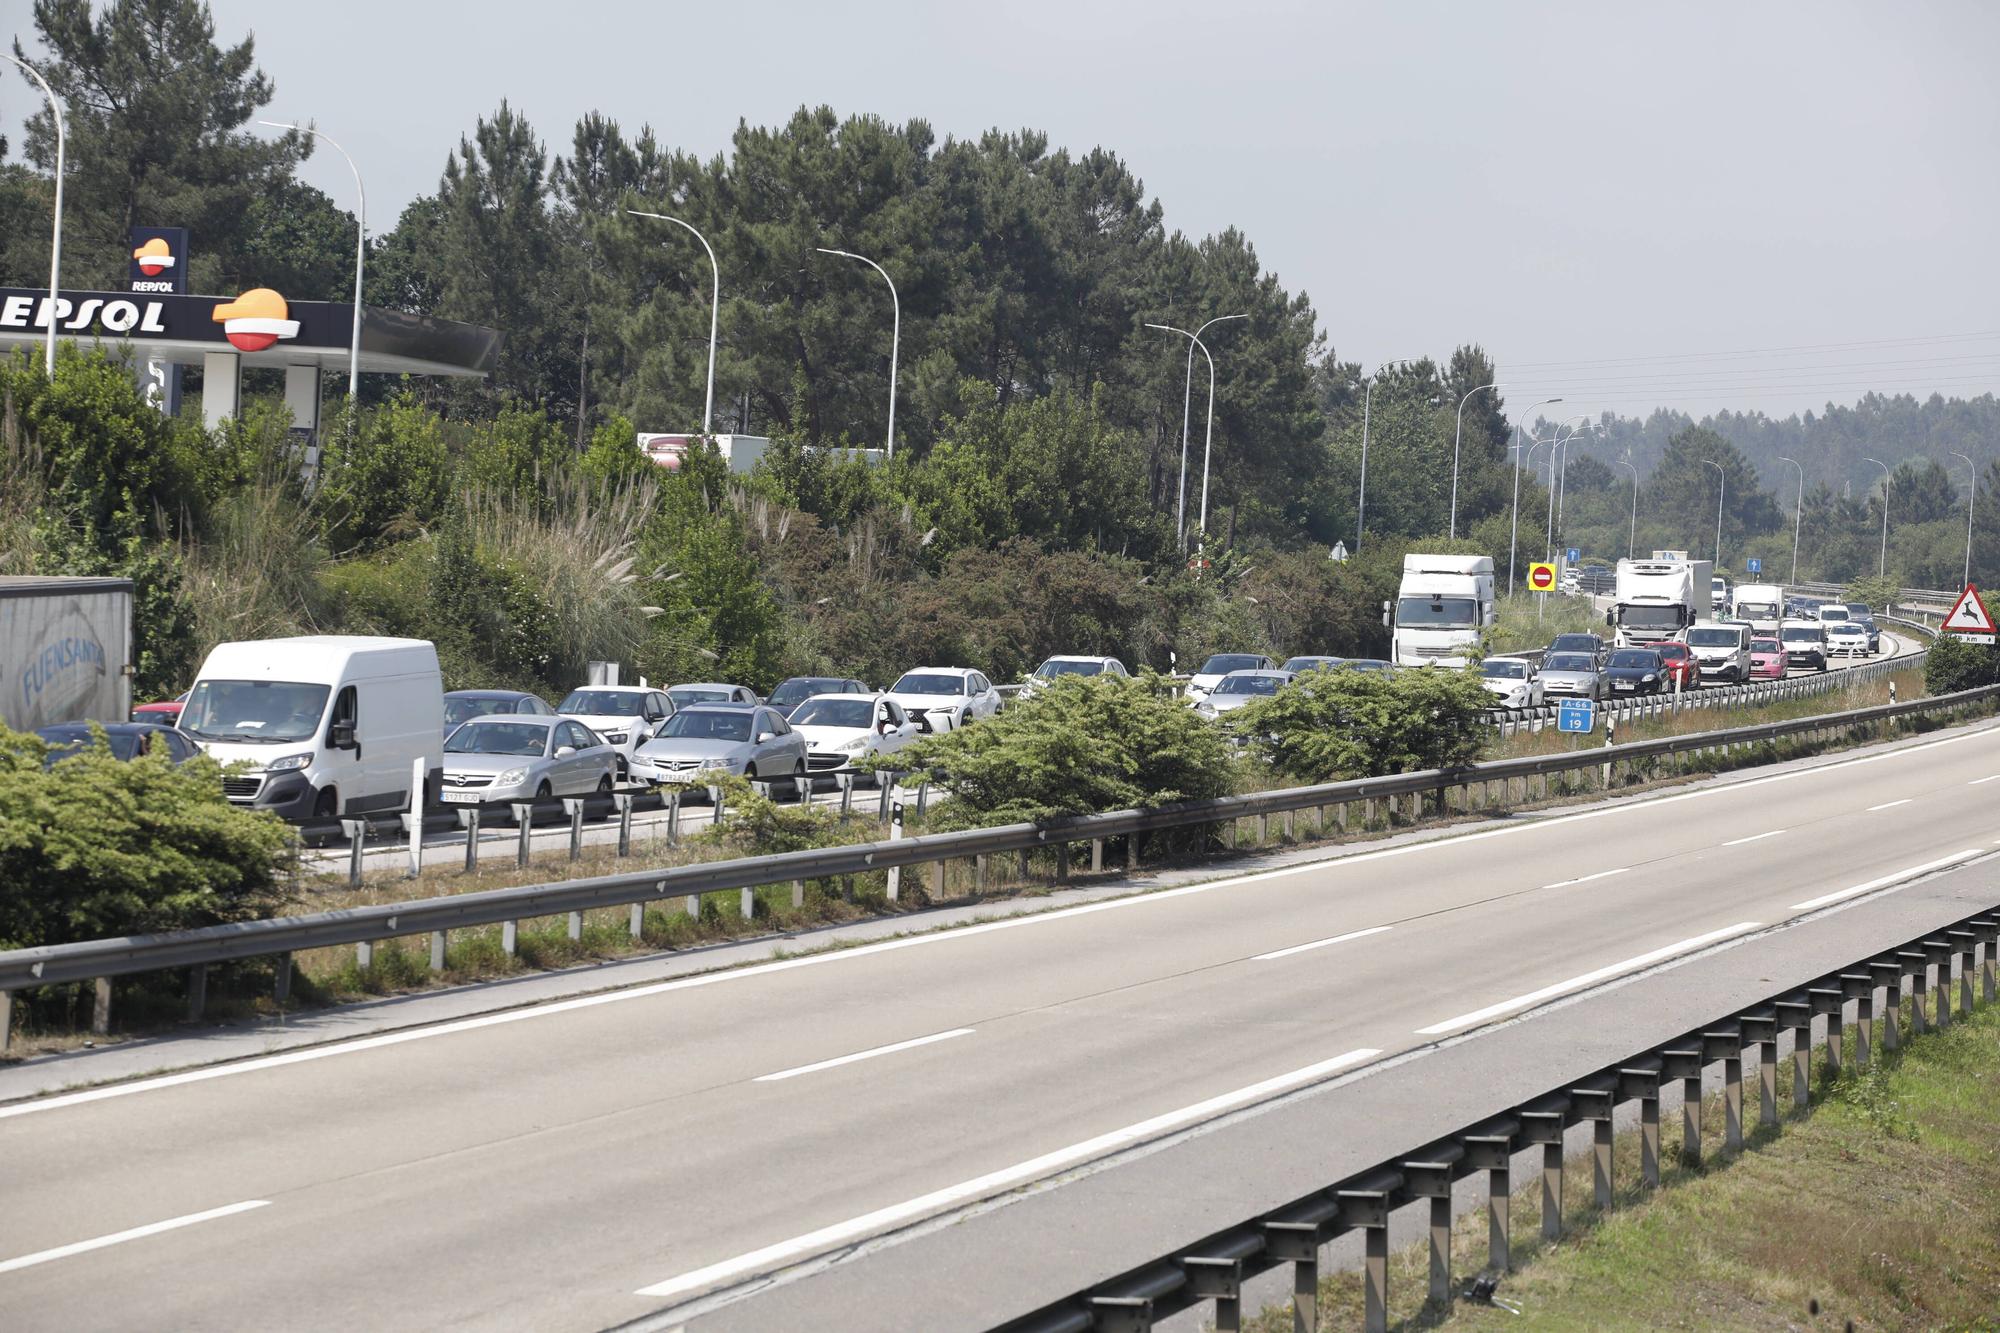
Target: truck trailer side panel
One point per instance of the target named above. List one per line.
(65, 651)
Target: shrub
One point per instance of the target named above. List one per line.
(1955, 665)
(96, 847)
(1333, 725)
(1082, 746)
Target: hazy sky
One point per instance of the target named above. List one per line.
(1616, 201)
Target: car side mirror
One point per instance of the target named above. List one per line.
(763, 736)
(340, 736)
(564, 751)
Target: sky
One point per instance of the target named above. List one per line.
(1702, 206)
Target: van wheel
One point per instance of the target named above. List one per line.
(327, 804)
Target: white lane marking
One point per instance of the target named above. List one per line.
(855, 1228)
(839, 1060)
(1585, 879)
(1889, 805)
(1911, 873)
(136, 1233)
(1980, 782)
(1755, 837)
(1532, 998)
(1319, 944)
(1332, 864)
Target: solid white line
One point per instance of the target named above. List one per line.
(120, 1237)
(855, 1228)
(1585, 879)
(1319, 944)
(1980, 782)
(1755, 837)
(1889, 805)
(1519, 1002)
(1331, 864)
(1914, 871)
(839, 1060)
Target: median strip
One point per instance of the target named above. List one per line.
(136, 1233)
(839, 1060)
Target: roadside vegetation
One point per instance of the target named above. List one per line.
(1523, 626)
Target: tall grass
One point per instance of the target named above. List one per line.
(256, 574)
(23, 494)
(1523, 626)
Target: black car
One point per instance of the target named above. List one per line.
(791, 693)
(464, 705)
(1634, 671)
(128, 740)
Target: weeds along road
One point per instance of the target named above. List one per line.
(591, 1161)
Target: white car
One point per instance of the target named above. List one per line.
(1241, 688)
(842, 728)
(1846, 638)
(626, 716)
(1513, 681)
(945, 698)
(712, 692)
(1203, 682)
(1047, 673)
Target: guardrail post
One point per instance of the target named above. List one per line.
(6, 1020)
(1832, 1002)
(100, 1006)
(1686, 1064)
(1989, 936)
(718, 801)
(895, 832)
(1022, 871)
(1546, 1128)
(437, 951)
(573, 807)
(1297, 1243)
(1131, 851)
(1891, 977)
(1062, 863)
(1432, 1181)
(1797, 1016)
(576, 927)
(885, 782)
(1643, 1085)
(524, 822)
(1860, 988)
(1493, 1154)
(197, 992)
(636, 927)
(1938, 952)
(357, 837)
(798, 894)
(979, 867)
(1762, 1030)
(468, 819)
(673, 801)
(845, 781)
(1597, 1106)
(1369, 1210)
(623, 800)
(692, 906)
(1221, 1281)
(1732, 1086)
(281, 989)
(1917, 967)
(923, 794)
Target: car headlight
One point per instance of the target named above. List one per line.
(291, 763)
(510, 777)
(1205, 708)
(856, 746)
(1649, 677)
(616, 737)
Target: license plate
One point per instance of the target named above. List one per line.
(460, 797)
(1622, 685)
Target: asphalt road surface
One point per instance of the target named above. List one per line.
(590, 1161)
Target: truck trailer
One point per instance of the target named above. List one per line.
(1658, 599)
(65, 650)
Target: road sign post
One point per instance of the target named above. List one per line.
(1969, 618)
(1572, 555)
(1754, 565)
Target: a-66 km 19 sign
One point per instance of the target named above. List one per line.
(1541, 577)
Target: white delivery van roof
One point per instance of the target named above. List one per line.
(320, 658)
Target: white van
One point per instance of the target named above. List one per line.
(330, 724)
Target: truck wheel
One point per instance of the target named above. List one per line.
(327, 804)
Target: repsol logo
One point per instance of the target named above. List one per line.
(60, 661)
(118, 316)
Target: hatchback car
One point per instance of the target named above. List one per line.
(501, 758)
(708, 739)
(1846, 638)
(1635, 671)
(1683, 667)
(1578, 643)
(791, 693)
(626, 716)
(712, 692)
(945, 698)
(166, 712)
(1767, 659)
(1239, 688)
(841, 729)
(1572, 675)
(126, 740)
(1513, 681)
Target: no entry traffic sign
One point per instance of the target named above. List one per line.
(1541, 577)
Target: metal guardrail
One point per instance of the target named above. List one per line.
(1212, 1269)
(362, 927)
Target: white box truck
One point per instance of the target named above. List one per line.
(1658, 599)
(328, 725)
(1442, 605)
(1761, 606)
(65, 650)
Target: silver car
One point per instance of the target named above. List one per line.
(1572, 676)
(506, 757)
(709, 739)
(1238, 688)
(712, 692)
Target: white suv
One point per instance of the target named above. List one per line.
(945, 698)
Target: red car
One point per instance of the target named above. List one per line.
(1683, 668)
(167, 713)
(1767, 659)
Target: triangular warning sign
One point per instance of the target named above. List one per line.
(1969, 616)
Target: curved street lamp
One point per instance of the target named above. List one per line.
(895, 335)
(55, 241)
(360, 254)
(1187, 399)
(1798, 514)
(1721, 487)
(1882, 566)
(1972, 491)
(1514, 522)
(714, 317)
(1457, 432)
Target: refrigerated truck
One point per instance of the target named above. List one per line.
(1658, 599)
(65, 650)
(1442, 605)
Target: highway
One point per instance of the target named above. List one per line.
(591, 1161)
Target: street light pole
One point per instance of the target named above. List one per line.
(360, 253)
(1721, 488)
(1798, 514)
(1882, 567)
(895, 336)
(1457, 432)
(55, 241)
(1193, 342)
(1632, 537)
(1367, 396)
(1972, 491)
(1562, 478)
(714, 317)
(1187, 397)
(1514, 522)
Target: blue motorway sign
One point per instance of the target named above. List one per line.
(1576, 715)
(1754, 565)
(1573, 555)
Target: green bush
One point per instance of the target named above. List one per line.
(1333, 725)
(1955, 665)
(1082, 746)
(97, 847)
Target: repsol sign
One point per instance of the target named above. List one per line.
(114, 314)
(254, 321)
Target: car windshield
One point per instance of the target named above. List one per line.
(851, 711)
(1712, 638)
(464, 710)
(1650, 617)
(1221, 664)
(1250, 685)
(522, 738)
(1310, 663)
(66, 741)
(1847, 629)
(1438, 612)
(1575, 643)
(604, 703)
(924, 682)
(800, 688)
(254, 710)
(1631, 660)
(1057, 666)
(684, 695)
(1368, 664)
(1504, 670)
(1766, 646)
(708, 724)
(1570, 662)
(1801, 634)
